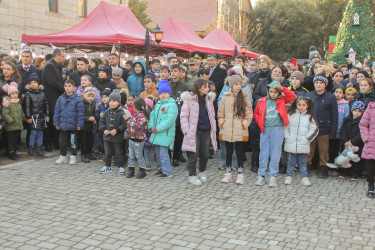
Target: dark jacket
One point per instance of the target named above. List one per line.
(260, 75)
(301, 91)
(125, 73)
(25, 76)
(36, 107)
(101, 108)
(178, 88)
(3, 123)
(218, 77)
(53, 83)
(350, 132)
(76, 77)
(69, 112)
(89, 111)
(326, 111)
(113, 119)
(261, 89)
(101, 84)
(365, 98)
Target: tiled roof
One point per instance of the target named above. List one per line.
(200, 14)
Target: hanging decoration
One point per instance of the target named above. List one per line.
(356, 19)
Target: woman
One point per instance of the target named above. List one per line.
(94, 65)
(264, 63)
(10, 74)
(317, 68)
(338, 78)
(39, 62)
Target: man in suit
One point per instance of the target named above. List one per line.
(114, 62)
(26, 69)
(217, 74)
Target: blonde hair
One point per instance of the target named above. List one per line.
(265, 58)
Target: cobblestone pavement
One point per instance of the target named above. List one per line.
(48, 206)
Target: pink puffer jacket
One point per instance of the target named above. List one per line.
(189, 120)
(367, 127)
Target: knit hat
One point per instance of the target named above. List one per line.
(10, 88)
(238, 69)
(115, 96)
(321, 78)
(106, 92)
(88, 91)
(233, 79)
(117, 71)
(358, 105)
(298, 75)
(149, 102)
(105, 69)
(350, 89)
(164, 87)
(314, 53)
(34, 77)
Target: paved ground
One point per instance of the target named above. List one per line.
(45, 206)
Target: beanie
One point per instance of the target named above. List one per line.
(106, 70)
(358, 105)
(238, 69)
(117, 71)
(321, 78)
(149, 102)
(298, 75)
(164, 87)
(115, 96)
(106, 92)
(233, 79)
(34, 77)
(350, 89)
(314, 53)
(87, 91)
(10, 88)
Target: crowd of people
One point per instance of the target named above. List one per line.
(291, 117)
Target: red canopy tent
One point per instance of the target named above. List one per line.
(224, 41)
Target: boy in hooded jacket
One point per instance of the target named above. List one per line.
(135, 80)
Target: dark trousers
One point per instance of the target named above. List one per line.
(334, 149)
(12, 138)
(51, 134)
(113, 149)
(65, 137)
(370, 167)
(87, 141)
(240, 151)
(202, 141)
(178, 138)
(254, 141)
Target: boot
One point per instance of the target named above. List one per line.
(39, 151)
(254, 167)
(91, 156)
(48, 148)
(31, 151)
(282, 169)
(130, 172)
(84, 159)
(323, 172)
(370, 192)
(181, 157)
(87, 158)
(141, 174)
(13, 156)
(175, 163)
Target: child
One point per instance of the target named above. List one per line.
(350, 136)
(103, 106)
(296, 84)
(163, 127)
(14, 117)
(349, 95)
(366, 92)
(69, 118)
(113, 125)
(367, 128)
(86, 82)
(271, 116)
(185, 77)
(234, 117)
(129, 103)
(198, 117)
(135, 80)
(117, 79)
(148, 146)
(137, 127)
(86, 134)
(302, 129)
(104, 79)
(165, 72)
(37, 110)
(149, 82)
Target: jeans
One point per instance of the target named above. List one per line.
(113, 148)
(202, 142)
(302, 163)
(224, 155)
(163, 160)
(86, 142)
(240, 151)
(36, 134)
(136, 153)
(64, 137)
(146, 154)
(270, 147)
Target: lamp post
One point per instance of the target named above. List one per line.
(149, 43)
(243, 49)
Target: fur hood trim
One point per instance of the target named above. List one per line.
(188, 96)
(27, 87)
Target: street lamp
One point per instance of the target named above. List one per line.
(158, 36)
(243, 49)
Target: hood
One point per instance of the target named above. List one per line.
(342, 101)
(188, 96)
(143, 66)
(27, 87)
(272, 85)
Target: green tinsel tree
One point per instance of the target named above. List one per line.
(355, 33)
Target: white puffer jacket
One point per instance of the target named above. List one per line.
(299, 133)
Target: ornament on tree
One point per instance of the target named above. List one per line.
(356, 19)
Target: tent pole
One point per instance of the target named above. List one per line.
(147, 44)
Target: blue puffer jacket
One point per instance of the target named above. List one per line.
(101, 108)
(69, 112)
(135, 81)
(326, 110)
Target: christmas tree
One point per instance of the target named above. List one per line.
(356, 31)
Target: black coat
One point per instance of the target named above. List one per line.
(125, 73)
(260, 75)
(113, 119)
(36, 107)
(53, 83)
(25, 76)
(365, 98)
(261, 89)
(102, 84)
(350, 132)
(218, 77)
(76, 77)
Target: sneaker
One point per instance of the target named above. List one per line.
(354, 178)
(73, 160)
(273, 182)
(306, 182)
(221, 167)
(105, 169)
(240, 179)
(165, 175)
(203, 177)
(62, 159)
(260, 181)
(159, 172)
(195, 181)
(227, 177)
(288, 180)
(121, 170)
(148, 168)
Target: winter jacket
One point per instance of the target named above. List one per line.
(261, 89)
(287, 96)
(325, 107)
(25, 76)
(36, 107)
(177, 89)
(232, 128)
(122, 85)
(137, 126)
(244, 86)
(3, 82)
(189, 118)
(76, 77)
(301, 91)
(125, 72)
(80, 90)
(113, 119)
(367, 128)
(218, 76)
(365, 98)
(102, 84)
(150, 92)
(69, 112)
(101, 108)
(13, 114)
(163, 118)
(135, 81)
(299, 133)
(343, 112)
(53, 83)
(260, 75)
(3, 122)
(89, 111)
(350, 132)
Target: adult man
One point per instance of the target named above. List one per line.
(53, 83)
(241, 60)
(198, 56)
(193, 69)
(26, 69)
(217, 74)
(253, 68)
(114, 62)
(82, 69)
(171, 61)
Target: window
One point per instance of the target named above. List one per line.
(82, 8)
(53, 5)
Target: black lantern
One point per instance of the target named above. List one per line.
(158, 34)
(243, 49)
